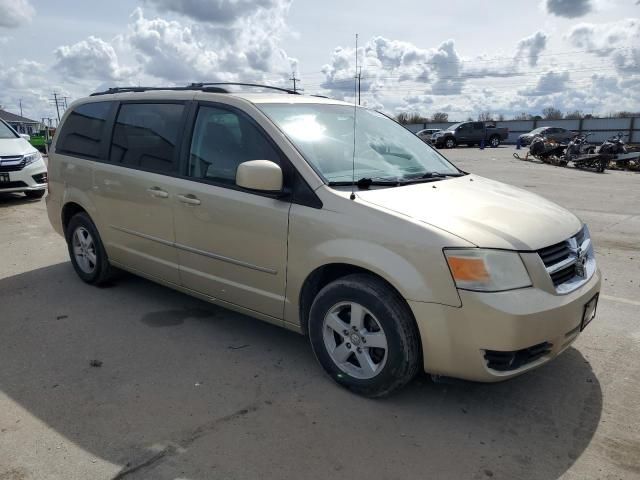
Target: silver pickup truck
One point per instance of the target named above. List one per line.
(470, 133)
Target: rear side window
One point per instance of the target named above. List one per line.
(146, 135)
(83, 131)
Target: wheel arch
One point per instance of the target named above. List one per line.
(325, 274)
(68, 211)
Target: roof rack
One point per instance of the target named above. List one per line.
(207, 85)
(215, 87)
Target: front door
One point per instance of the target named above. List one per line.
(232, 243)
(134, 190)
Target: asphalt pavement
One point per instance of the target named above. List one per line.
(135, 380)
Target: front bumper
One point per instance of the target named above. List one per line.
(456, 340)
(31, 177)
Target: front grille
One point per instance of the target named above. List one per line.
(562, 259)
(11, 164)
(506, 361)
(555, 253)
(18, 184)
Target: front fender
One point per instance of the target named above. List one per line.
(404, 254)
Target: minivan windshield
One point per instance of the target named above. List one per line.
(6, 131)
(384, 150)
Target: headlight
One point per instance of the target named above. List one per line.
(32, 157)
(486, 270)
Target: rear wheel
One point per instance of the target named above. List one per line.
(86, 251)
(364, 335)
(34, 193)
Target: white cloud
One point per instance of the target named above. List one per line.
(14, 13)
(171, 50)
(618, 40)
(217, 11)
(568, 8)
(25, 74)
(92, 58)
(547, 84)
(531, 47)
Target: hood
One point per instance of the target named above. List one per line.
(484, 212)
(10, 147)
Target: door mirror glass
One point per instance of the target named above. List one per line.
(260, 175)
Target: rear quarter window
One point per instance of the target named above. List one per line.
(146, 136)
(83, 131)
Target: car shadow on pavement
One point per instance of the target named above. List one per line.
(16, 199)
(168, 386)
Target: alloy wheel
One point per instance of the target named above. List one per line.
(84, 250)
(355, 340)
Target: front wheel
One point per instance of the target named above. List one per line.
(494, 141)
(364, 335)
(450, 143)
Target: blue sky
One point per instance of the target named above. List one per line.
(462, 57)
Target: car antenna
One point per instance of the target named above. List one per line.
(355, 109)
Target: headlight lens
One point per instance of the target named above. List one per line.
(32, 157)
(485, 270)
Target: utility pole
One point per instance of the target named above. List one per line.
(359, 78)
(294, 80)
(21, 107)
(59, 101)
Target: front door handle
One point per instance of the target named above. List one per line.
(189, 199)
(157, 192)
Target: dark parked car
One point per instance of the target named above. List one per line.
(470, 133)
(558, 134)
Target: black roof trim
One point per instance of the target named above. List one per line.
(211, 87)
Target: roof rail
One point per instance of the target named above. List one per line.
(215, 87)
(207, 85)
(147, 89)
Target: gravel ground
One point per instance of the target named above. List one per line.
(138, 381)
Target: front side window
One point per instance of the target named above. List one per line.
(83, 131)
(222, 140)
(383, 149)
(6, 132)
(146, 136)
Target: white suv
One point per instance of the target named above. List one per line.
(22, 168)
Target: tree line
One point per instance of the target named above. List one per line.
(549, 113)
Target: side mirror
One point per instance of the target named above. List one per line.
(26, 136)
(260, 175)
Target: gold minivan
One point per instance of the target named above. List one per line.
(327, 219)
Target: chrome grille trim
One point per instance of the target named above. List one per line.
(561, 261)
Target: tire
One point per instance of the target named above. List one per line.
(450, 143)
(494, 141)
(385, 319)
(95, 269)
(35, 194)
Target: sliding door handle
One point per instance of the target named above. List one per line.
(157, 192)
(189, 199)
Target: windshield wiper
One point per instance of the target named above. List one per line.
(431, 177)
(366, 182)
